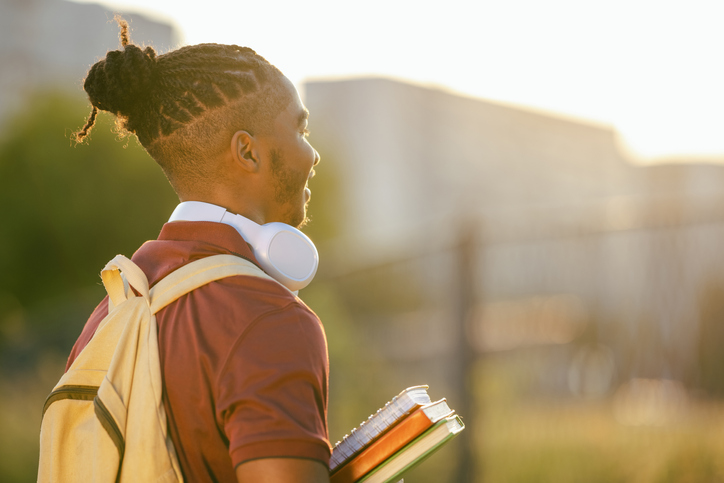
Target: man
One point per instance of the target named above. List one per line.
(244, 361)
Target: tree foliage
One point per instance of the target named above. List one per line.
(69, 209)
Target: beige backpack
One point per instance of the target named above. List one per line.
(105, 420)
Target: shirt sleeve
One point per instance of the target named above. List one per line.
(272, 390)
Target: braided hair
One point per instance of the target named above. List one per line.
(184, 105)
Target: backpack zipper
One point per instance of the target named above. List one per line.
(79, 393)
(111, 427)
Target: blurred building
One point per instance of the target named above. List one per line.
(559, 212)
(51, 44)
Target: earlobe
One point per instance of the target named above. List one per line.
(243, 151)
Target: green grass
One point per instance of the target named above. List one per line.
(518, 438)
(527, 439)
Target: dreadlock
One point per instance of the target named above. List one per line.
(184, 105)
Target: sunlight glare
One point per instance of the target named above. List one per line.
(649, 68)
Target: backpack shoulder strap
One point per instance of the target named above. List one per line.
(117, 286)
(199, 273)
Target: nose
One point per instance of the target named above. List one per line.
(316, 157)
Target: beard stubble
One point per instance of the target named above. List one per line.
(288, 188)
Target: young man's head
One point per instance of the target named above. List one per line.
(223, 123)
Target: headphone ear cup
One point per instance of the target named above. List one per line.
(293, 255)
(286, 254)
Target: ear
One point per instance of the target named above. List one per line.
(244, 151)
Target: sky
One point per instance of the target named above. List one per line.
(653, 70)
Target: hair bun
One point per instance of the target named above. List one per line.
(124, 81)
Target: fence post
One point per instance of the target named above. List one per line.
(466, 264)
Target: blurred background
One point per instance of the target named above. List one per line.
(520, 204)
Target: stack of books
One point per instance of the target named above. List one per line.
(397, 437)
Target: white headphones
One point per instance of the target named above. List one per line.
(284, 252)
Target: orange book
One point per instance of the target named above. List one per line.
(391, 442)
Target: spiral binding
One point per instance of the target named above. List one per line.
(377, 423)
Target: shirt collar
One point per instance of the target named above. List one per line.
(211, 233)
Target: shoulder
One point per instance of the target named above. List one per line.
(283, 333)
(286, 329)
(233, 313)
(254, 297)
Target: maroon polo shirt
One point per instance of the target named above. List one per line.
(244, 361)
